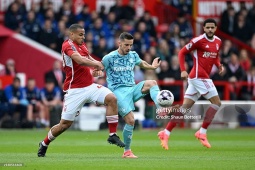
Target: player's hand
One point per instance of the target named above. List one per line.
(156, 63)
(221, 69)
(98, 66)
(96, 73)
(184, 75)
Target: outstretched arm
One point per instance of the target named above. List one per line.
(155, 64)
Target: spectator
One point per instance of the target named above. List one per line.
(129, 11)
(163, 50)
(184, 6)
(138, 45)
(32, 95)
(145, 37)
(10, 69)
(102, 13)
(228, 20)
(234, 73)
(31, 27)
(150, 27)
(186, 30)
(117, 9)
(248, 92)
(227, 50)
(66, 10)
(251, 15)
(48, 35)
(13, 18)
(220, 88)
(17, 102)
(4, 107)
(112, 26)
(44, 6)
(243, 29)
(99, 30)
(57, 75)
(85, 16)
(62, 35)
(101, 50)
(245, 61)
(51, 99)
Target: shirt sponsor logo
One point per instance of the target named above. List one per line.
(209, 54)
(122, 68)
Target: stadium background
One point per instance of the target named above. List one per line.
(33, 59)
(231, 148)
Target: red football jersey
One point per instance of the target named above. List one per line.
(205, 55)
(77, 76)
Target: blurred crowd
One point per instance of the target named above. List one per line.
(48, 27)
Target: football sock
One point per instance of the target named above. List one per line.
(202, 130)
(127, 135)
(154, 90)
(112, 123)
(49, 138)
(167, 132)
(170, 126)
(173, 122)
(209, 115)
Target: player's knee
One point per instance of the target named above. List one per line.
(131, 122)
(65, 125)
(111, 99)
(152, 82)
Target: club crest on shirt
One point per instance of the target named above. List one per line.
(217, 46)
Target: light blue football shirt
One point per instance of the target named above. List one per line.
(120, 68)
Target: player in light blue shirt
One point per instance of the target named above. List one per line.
(119, 66)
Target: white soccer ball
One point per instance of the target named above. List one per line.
(165, 98)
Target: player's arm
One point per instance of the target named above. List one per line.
(183, 52)
(219, 65)
(86, 61)
(155, 64)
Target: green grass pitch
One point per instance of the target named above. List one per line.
(77, 150)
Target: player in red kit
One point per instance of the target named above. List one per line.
(80, 89)
(205, 54)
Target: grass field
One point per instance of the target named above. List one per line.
(77, 150)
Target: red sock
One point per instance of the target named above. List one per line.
(112, 123)
(175, 118)
(46, 140)
(170, 125)
(209, 115)
(49, 138)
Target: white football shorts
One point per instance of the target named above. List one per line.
(75, 99)
(198, 87)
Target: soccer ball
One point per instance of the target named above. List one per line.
(165, 98)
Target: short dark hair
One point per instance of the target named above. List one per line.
(74, 27)
(126, 35)
(210, 20)
(16, 79)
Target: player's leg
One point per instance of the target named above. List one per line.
(213, 97)
(104, 96)
(52, 134)
(151, 86)
(30, 112)
(126, 106)
(128, 134)
(73, 102)
(190, 97)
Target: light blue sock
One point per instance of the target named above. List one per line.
(154, 90)
(127, 136)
